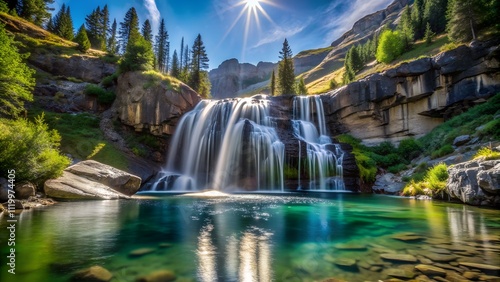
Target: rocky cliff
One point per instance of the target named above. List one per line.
(412, 98)
(152, 104)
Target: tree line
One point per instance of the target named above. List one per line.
(139, 47)
(462, 20)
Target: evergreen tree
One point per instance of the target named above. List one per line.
(435, 14)
(16, 78)
(82, 39)
(465, 19)
(139, 55)
(162, 47)
(406, 28)
(352, 63)
(35, 11)
(64, 27)
(4, 8)
(286, 72)
(198, 79)
(129, 28)
(113, 46)
(428, 34)
(14, 6)
(301, 87)
(93, 22)
(417, 18)
(181, 59)
(147, 32)
(176, 71)
(50, 26)
(187, 64)
(104, 27)
(273, 84)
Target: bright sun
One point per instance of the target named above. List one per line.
(252, 3)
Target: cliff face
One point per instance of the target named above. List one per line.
(156, 107)
(415, 97)
(231, 77)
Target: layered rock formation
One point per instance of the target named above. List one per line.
(153, 106)
(92, 180)
(413, 98)
(231, 77)
(476, 182)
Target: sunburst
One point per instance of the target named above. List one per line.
(253, 10)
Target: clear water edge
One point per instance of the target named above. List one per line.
(244, 237)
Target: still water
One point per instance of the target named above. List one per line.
(252, 238)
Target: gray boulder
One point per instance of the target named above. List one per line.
(388, 184)
(24, 190)
(92, 180)
(475, 182)
(461, 140)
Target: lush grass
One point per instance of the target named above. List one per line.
(443, 151)
(434, 182)
(314, 52)
(82, 138)
(487, 154)
(439, 140)
(109, 80)
(103, 96)
(154, 78)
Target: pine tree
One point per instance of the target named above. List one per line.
(50, 26)
(406, 28)
(138, 56)
(104, 27)
(176, 71)
(129, 28)
(352, 63)
(16, 78)
(35, 11)
(185, 69)
(93, 22)
(464, 19)
(199, 63)
(113, 46)
(63, 24)
(428, 34)
(417, 18)
(82, 39)
(435, 14)
(286, 73)
(273, 84)
(181, 59)
(301, 87)
(161, 47)
(147, 32)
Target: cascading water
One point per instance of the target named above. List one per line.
(233, 144)
(324, 159)
(225, 145)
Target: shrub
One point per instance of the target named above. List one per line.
(409, 148)
(366, 165)
(384, 148)
(413, 189)
(448, 47)
(396, 168)
(492, 129)
(390, 46)
(487, 154)
(436, 177)
(103, 96)
(109, 80)
(31, 149)
(443, 151)
(82, 39)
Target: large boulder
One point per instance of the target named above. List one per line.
(150, 104)
(92, 180)
(475, 182)
(24, 190)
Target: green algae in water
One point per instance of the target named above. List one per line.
(249, 238)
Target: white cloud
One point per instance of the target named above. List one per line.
(153, 12)
(278, 34)
(344, 22)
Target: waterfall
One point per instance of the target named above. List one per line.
(233, 144)
(324, 159)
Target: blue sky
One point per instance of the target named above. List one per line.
(307, 24)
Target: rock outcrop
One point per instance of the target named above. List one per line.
(152, 105)
(92, 180)
(476, 182)
(231, 77)
(413, 98)
(83, 67)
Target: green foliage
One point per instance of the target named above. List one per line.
(198, 79)
(110, 80)
(111, 58)
(129, 28)
(491, 129)
(80, 136)
(31, 149)
(391, 45)
(35, 11)
(290, 172)
(443, 151)
(112, 44)
(286, 73)
(3, 7)
(435, 15)
(16, 78)
(141, 144)
(487, 154)
(333, 84)
(273, 84)
(434, 182)
(366, 165)
(97, 23)
(406, 28)
(176, 71)
(147, 31)
(429, 34)
(139, 56)
(409, 148)
(467, 18)
(82, 39)
(103, 96)
(466, 123)
(62, 23)
(301, 87)
(154, 78)
(353, 63)
(162, 50)
(448, 47)
(397, 168)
